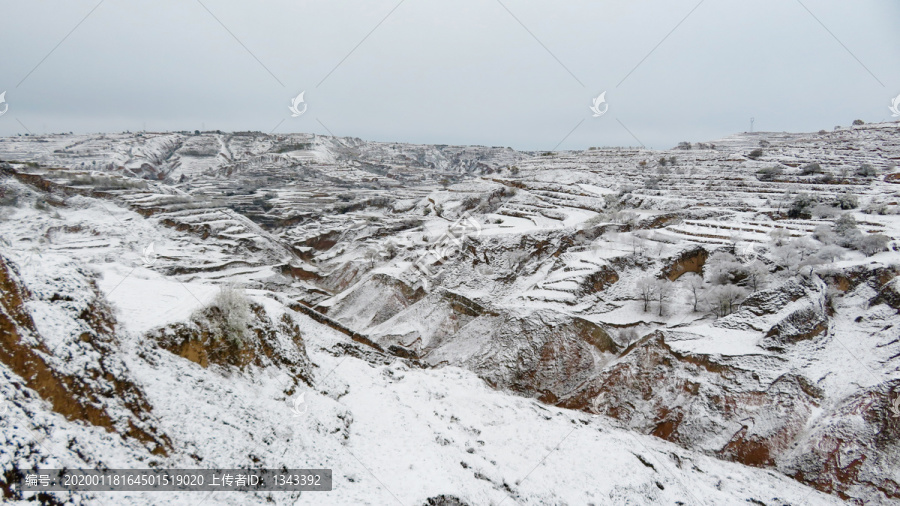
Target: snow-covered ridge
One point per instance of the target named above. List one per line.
(663, 308)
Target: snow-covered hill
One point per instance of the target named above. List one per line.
(466, 325)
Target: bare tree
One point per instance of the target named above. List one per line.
(646, 290)
(786, 256)
(695, 285)
(756, 273)
(721, 268)
(663, 288)
(638, 245)
(779, 236)
(724, 298)
(796, 253)
(831, 252)
(873, 243)
(371, 254)
(660, 245)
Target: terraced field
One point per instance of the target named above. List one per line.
(737, 300)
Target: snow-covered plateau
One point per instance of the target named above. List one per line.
(713, 324)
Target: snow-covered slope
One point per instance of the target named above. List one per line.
(613, 326)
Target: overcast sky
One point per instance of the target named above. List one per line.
(517, 73)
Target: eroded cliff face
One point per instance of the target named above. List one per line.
(761, 409)
(267, 341)
(759, 403)
(69, 358)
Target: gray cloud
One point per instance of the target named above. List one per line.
(463, 72)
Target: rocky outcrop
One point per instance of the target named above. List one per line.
(715, 405)
(544, 355)
(691, 260)
(598, 281)
(888, 294)
(302, 272)
(773, 300)
(267, 341)
(697, 401)
(801, 324)
(848, 279)
(852, 451)
(377, 299)
(322, 242)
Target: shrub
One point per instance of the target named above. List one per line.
(625, 190)
(612, 202)
(801, 205)
(227, 316)
(471, 202)
(848, 235)
(662, 161)
(881, 209)
(663, 291)
(859, 122)
(866, 170)
(847, 201)
(768, 173)
(811, 168)
(755, 275)
(845, 225)
(722, 268)
(779, 236)
(694, 284)
(830, 252)
(755, 154)
(824, 234)
(795, 253)
(625, 217)
(684, 145)
(8, 197)
(824, 211)
(873, 243)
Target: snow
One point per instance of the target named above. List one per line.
(144, 299)
(710, 340)
(392, 431)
